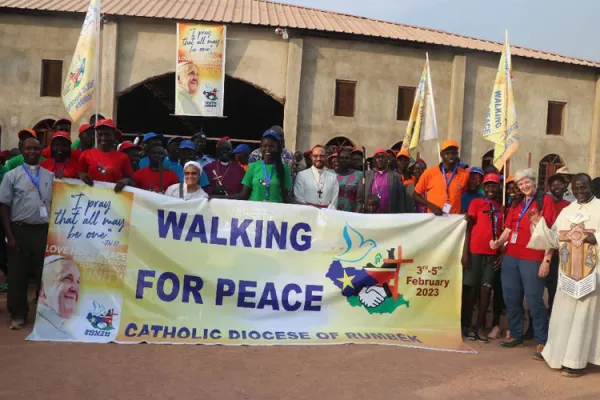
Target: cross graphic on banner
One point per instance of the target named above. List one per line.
(398, 262)
(575, 236)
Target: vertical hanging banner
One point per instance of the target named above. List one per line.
(200, 70)
(80, 83)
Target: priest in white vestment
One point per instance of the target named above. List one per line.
(317, 186)
(574, 335)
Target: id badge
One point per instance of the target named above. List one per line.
(447, 208)
(513, 238)
(43, 212)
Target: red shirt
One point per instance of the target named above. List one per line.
(481, 233)
(560, 205)
(110, 166)
(70, 168)
(519, 249)
(147, 179)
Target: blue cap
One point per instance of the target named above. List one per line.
(187, 144)
(274, 134)
(150, 135)
(477, 170)
(242, 148)
(174, 138)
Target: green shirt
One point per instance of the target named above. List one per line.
(15, 162)
(255, 180)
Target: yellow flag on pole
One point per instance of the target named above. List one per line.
(501, 125)
(422, 124)
(80, 83)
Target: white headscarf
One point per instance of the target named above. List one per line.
(196, 165)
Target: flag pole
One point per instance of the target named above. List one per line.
(97, 70)
(505, 124)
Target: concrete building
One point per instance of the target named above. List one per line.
(360, 69)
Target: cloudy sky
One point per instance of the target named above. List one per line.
(566, 27)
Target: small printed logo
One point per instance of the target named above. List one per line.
(211, 94)
(373, 286)
(77, 76)
(100, 318)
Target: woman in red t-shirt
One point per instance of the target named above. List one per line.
(480, 261)
(105, 163)
(522, 268)
(61, 161)
(155, 177)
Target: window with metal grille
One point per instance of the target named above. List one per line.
(406, 97)
(51, 83)
(345, 92)
(556, 118)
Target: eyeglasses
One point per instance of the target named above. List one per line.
(319, 155)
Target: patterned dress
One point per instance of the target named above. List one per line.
(348, 190)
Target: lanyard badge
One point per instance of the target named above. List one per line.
(35, 181)
(267, 181)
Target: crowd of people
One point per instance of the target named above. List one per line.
(498, 265)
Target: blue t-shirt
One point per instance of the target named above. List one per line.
(467, 198)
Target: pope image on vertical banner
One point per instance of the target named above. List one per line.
(86, 254)
(200, 70)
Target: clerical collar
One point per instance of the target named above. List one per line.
(383, 171)
(588, 201)
(225, 163)
(32, 167)
(317, 170)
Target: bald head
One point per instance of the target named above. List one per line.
(582, 188)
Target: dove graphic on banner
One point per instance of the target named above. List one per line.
(357, 248)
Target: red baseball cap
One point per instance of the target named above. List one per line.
(491, 178)
(127, 145)
(106, 122)
(379, 151)
(30, 131)
(84, 128)
(61, 134)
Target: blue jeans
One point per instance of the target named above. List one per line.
(520, 276)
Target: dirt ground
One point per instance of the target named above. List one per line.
(69, 371)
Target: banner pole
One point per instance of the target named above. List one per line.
(97, 69)
(504, 184)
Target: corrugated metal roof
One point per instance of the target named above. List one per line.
(268, 13)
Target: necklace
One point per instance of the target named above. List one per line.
(220, 176)
(377, 188)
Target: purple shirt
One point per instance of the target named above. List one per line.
(380, 189)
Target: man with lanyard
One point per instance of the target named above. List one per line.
(385, 184)
(25, 200)
(440, 188)
(61, 161)
(201, 142)
(317, 186)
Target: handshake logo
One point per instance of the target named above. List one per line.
(371, 287)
